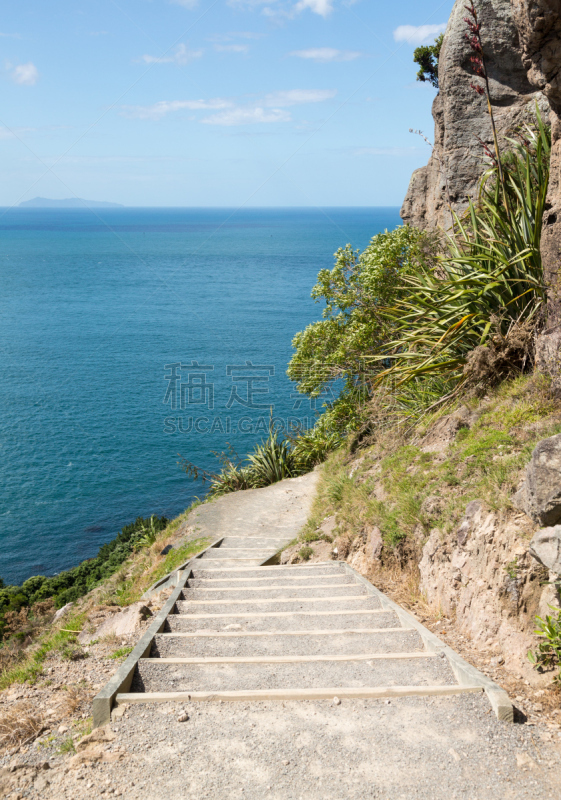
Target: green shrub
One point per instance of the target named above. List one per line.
(549, 651)
(73, 583)
(355, 291)
(305, 553)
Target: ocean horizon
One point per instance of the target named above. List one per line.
(134, 336)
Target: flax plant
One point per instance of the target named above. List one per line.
(490, 278)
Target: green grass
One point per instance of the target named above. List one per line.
(484, 462)
(129, 590)
(66, 746)
(121, 652)
(32, 665)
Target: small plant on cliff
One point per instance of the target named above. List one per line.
(426, 56)
(548, 653)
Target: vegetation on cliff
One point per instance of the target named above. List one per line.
(20, 605)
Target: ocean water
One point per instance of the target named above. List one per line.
(131, 337)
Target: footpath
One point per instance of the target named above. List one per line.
(269, 682)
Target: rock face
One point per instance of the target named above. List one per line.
(460, 115)
(482, 573)
(540, 495)
(539, 27)
(546, 548)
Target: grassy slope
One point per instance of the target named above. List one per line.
(484, 462)
(126, 586)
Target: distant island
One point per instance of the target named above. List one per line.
(70, 202)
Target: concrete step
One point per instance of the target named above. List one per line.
(152, 676)
(283, 621)
(355, 602)
(296, 643)
(259, 593)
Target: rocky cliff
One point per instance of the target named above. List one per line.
(539, 29)
(460, 115)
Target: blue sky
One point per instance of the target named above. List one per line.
(214, 102)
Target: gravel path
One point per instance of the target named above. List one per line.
(448, 748)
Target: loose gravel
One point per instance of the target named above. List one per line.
(153, 677)
(286, 621)
(449, 748)
(302, 644)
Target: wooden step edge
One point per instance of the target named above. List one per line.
(286, 659)
(267, 588)
(334, 632)
(222, 549)
(255, 600)
(341, 692)
(259, 538)
(254, 614)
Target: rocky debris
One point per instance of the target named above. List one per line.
(460, 115)
(328, 526)
(115, 621)
(445, 429)
(540, 495)
(93, 748)
(23, 776)
(98, 736)
(374, 544)
(467, 523)
(545, 547)
(62, 611)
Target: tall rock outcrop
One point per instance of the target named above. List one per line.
(461, 117)
(539, 28)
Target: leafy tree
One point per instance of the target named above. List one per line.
(427, 57)
(353, 328)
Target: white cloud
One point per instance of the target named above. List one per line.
(231, 48)
(420, 34)
(286, 10)
(326, 54)
(25, 74)
(321, 7)
(181, 56)
(163, 107)
(244, 115)
(268, 109)
(298, 97)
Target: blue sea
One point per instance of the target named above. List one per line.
(132, 338)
